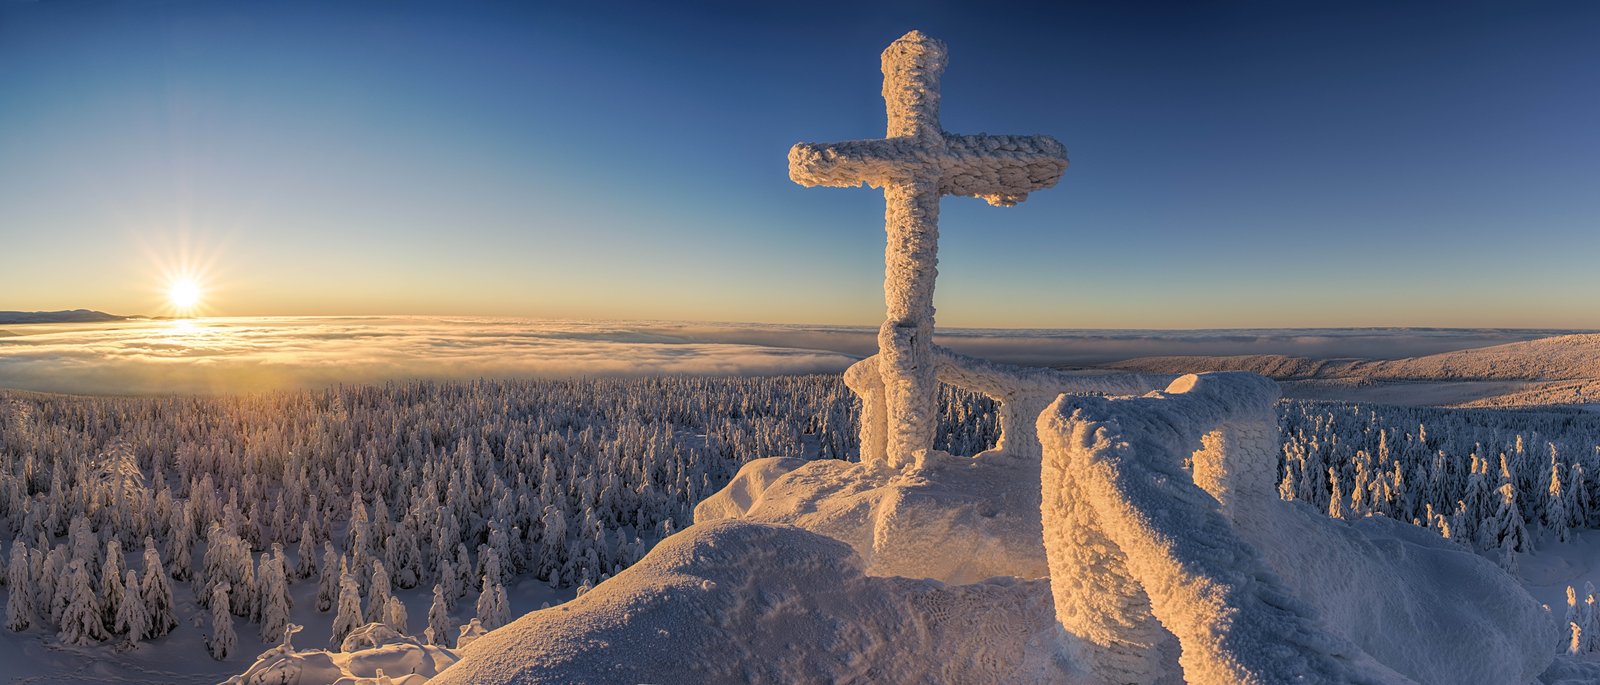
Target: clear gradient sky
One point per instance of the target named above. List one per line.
(1233, 164)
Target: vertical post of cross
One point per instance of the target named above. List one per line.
(911, 69)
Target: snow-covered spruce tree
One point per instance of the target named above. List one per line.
(54, 583)
(111, 584)
(1590, 619)
(1336, 499)
(469, 633)
(81, 623)
(1507, 534)
(215, 564)
(492, 568)
(1583, 505)
(306, 564)
(405, 557)
(132, 621)
(394, 616)
(1557, 513)
(275, 599)
(328, 585)
(438, 631)
(20, 593)
(447, 583)
(463, 568)
(349, 616)
(552, 545)
(1572, 614)
(222, 641)
(156, 589)
(242, 578)
(378, 593)
(180, 547)
(491, 607)
(84, 546)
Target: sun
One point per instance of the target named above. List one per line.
(184, 294)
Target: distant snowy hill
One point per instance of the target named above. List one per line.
(64, 316)
(1563, 357)
(1559, 370)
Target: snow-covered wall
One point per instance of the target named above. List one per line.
(1256, 590)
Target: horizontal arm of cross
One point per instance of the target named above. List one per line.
(999, 169)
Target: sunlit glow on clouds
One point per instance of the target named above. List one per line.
(229, 355)
(249, 354)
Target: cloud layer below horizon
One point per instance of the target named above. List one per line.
(253, 354)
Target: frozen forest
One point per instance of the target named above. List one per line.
(131, 519)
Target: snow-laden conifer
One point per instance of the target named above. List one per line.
(132, 621)
(223, 641)
(274, 596)
(81, 623)
(349, 616)
(438, 631)
(20, 593)
(156, 589)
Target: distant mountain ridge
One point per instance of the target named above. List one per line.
(1563, 357)
(64, 316)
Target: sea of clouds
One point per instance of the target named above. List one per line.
(223, 355)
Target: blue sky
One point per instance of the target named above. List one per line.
(1233, 164)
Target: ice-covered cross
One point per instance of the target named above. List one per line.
(916, 164)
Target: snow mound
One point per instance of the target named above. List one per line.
(735, 601)
(370, 655)
(746, 489)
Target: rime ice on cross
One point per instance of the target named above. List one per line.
(915, 164)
